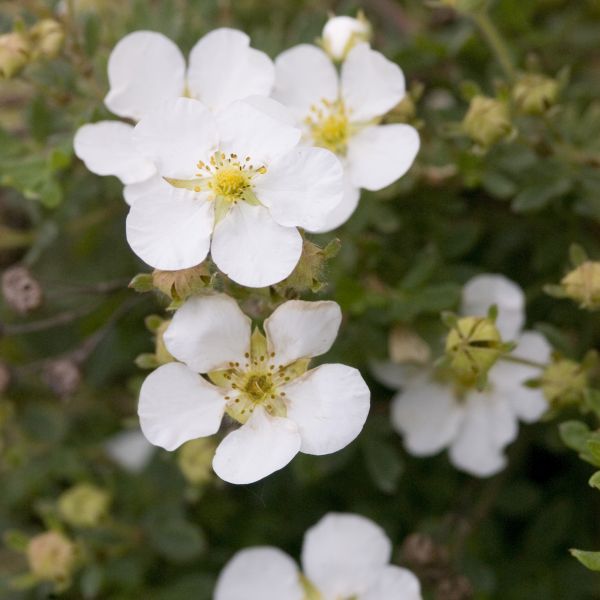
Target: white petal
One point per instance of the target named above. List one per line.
(379, 155)
(107, 148)
(344, 210)
(144, 69)
(272, 108)
(223, 68)
(395, 376)
(394, 583)
(482, 291)
(177, 135)
(343, 554)
(130, 450)
(528, 404)
(304, 75)
(259, 573)
(246, 130)
(303, 187)
(177, 405)
(133, 191)
(341, 31)
(252, 249)
(488, 426)
(427, 414)
(300, 329)
(330, 405)
(261, 446)
(371, 84)
(170, 228)
(209, 332)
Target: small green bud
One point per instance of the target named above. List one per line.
(195, 460)
(564, 382)
(52, 557)
(534, 93)
(487, 121)
(47, 37)
(15, 52)
(341, 34)
(582, 284)
(473, 346)
(84, 505)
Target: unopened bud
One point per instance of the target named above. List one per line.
(456, 587)
(341, 34)
(406, 346)
(564, 382)
(582, 284)
(420, 550)
(487, 121)
(21, 290)
(84, 505)
(534, 93)
(47, 37)
(15, 50)
(51, 557)
(62, 376)
(195, 460)
(473, 346)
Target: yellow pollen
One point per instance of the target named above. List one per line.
(229, 182)
(329, 125)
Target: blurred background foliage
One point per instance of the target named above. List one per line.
(510, 202)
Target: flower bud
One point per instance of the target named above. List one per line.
(195, 460)
(341, 34)
(534, 94)
(406, 346)
(582, 284)
(564, 382)
(473, 346)
(21, 290)
(51, 557)
(84, 505)
(62, 376)
(15, 50)
(48, 37)
(487, 121)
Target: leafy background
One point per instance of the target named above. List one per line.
(404, 255)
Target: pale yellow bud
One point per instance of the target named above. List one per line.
(582, 284)
(48, 37)
(341, 34)
(534, 93)
(51, 557)
(15, 51)
(84, 505)
(487, 121)
(406, 346)
(195, 460)
(564, 382)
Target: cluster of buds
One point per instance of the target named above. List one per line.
(341, 34)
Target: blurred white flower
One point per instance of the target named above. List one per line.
(342, 33)
(146, 68)
(344, 556)
(261, 383)
(433, 413)
(341, 113)
(239, 178)
(130, 450)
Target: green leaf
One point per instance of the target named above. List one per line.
(574, 434)
(577, 255)
(590, 560)
(142, 282)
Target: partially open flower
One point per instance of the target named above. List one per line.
(84, 505)
(342, 33)
(15, 51)
(52, 557)
(487, 121)
(582, 284)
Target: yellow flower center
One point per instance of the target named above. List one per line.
(229, 182)
(329, 125)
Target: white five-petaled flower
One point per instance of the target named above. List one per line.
(344, 557)
(238, 183)
(475, 426)
(341, 113)
(146, 68)
(261, 383)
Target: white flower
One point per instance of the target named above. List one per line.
(341, 34)
(342, 115)
(263, 384)
(146, 68)
(130, 450)
(344, 557)
(239, 178)
(434, 414)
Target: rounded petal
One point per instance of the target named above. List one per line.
(379, 155)
(223, 68)
(170, 228)
(371, 84)
(252, 249)
(330, 405)
(144, 69)
(177, 405)
(253, 132)
(427, 415)
(133, 191)
(208, 332)
(344, 554)
(271, 107)
(259, 573)
(395, 376)
(177, 135)
(482, 291)
(107, 148)
(343, 211)
(303, 187)
(261, 446)
(304, 75)
(508, 378)
(301, 329)
(394, 582)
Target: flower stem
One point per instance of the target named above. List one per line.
(495, 41)
(523, 361)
